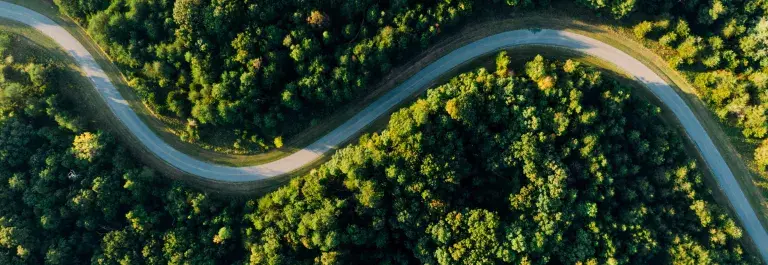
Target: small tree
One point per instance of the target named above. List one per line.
(755, 45)
(502, 64)
(641, 30)
(536, 68)
(87, 146)
(570, 66)
(754, 122)
(317, 19)
(223, 234)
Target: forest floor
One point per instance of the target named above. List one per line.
(727, 139)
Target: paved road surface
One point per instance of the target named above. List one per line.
(324, 145)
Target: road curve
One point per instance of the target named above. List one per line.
(425, 77)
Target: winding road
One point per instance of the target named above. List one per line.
(562, 39)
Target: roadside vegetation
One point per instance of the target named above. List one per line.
(269, 76)
(253, 73)
(248, 75)
(224, 86)
(71, 194)
(721, 51)
(550, 162)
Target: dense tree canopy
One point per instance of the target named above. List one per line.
(498, 168)
(74, 196)
(253, 71)
(553, 165)
(265, 68)
(489, 168)
(721, 46)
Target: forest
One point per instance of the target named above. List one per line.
(261, 70)
(257, 70)
(543, 163)
(268, 76)
(551, 163)
(73, 194)
(722, 49)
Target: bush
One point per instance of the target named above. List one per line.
(642, 29)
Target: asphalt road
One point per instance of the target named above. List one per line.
(425, 77)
